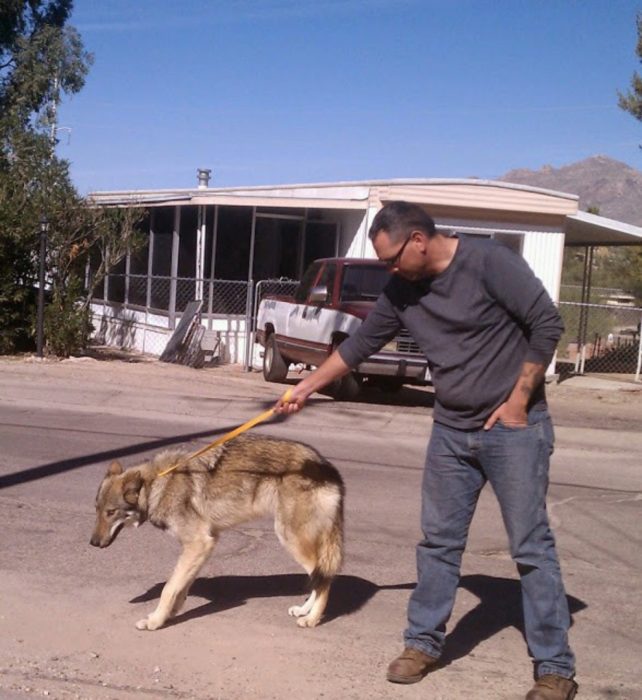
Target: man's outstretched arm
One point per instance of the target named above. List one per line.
(333, 368)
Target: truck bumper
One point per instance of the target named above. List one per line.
(392, 365)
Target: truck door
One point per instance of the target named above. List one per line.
(293, 327)
(317, 316)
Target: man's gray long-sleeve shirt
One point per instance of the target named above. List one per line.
(477, 323)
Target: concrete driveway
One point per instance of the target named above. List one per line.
(67, 610)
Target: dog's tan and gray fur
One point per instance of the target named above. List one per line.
(246, 478)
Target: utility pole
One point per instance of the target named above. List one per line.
(40, 325)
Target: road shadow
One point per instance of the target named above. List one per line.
(65, 465)
(407, 395)
(499, 604)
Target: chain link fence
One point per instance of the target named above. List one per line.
(263, 288)
(170, 295)
(276, 287)
(600, 338)
(140, 311)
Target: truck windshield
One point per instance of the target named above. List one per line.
(363, 282)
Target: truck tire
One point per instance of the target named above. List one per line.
(275, 368)
(347, 388)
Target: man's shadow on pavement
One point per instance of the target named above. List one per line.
(499, 603)
(499, 607)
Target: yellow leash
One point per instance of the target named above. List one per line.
(228, 436)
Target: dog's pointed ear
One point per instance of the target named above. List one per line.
(131, 489)
(115, 468)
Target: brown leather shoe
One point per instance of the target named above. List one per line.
(411, 666)
(553, 687)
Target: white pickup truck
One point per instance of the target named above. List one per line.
(330, 303)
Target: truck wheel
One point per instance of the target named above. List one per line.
(275, 368)
(347, 388)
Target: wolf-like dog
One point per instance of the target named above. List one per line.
(245, 478)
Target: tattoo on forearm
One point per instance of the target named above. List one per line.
(529, 379)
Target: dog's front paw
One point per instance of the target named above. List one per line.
(297, 611)
(308, 621)
(149, 623)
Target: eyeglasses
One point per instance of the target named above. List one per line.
(392, 262)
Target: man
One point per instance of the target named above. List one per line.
(489, 330)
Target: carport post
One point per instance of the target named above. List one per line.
(200, 253)
(248, 302)
(176, 232)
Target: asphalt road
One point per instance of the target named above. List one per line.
(67, 610)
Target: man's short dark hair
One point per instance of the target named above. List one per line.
(400, 219)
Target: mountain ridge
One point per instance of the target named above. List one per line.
(601, 182)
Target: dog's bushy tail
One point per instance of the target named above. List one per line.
(330, 541)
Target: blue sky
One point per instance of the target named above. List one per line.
(288, 91)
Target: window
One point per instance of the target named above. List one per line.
(327, 279)
(303, 290)
(363, 282)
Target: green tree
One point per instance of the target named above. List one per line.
(42, 59)
(632, 100)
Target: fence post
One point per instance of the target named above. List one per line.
(639, 366)
(171, 312)
(584, 310)
(248, 327)
(210, 287)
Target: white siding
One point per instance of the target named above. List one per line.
(350, 224)
(544, 253)
(360, 246)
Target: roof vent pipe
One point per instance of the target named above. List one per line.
(203, 178)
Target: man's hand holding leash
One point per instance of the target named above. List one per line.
(293, 401)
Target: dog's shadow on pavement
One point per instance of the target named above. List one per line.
(499, 605)
(348, 594)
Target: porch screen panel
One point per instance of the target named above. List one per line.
(233, 243)
(276, 249)
(185, 285)
(94, 264)
(162, 257)
(116, 287)
(138, 263)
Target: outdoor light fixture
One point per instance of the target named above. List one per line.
(44, 228)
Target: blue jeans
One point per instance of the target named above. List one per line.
(516, 462)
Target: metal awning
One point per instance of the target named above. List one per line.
(583, 229)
